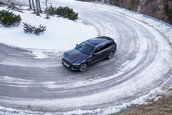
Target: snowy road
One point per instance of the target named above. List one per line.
(140, 69)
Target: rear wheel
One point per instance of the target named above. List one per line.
(110, 55)
(83, 67)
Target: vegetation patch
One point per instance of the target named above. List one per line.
(65, 12)
(160, 107)
(116, 2)
(1, 3)
(168, 12)
(8, 18)
(133, 4)
(32, 29)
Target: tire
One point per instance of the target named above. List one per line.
(110, 55)
(83, 67)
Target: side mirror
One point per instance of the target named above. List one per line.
(76, 45)
(94, 54)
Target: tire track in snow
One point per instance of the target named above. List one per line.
(135, 71)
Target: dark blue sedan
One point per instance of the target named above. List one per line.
(89, 52)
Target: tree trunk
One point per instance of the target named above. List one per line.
(39, 6)
(33, 5)
(46, 7)
(30, 6)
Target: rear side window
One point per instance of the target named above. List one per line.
(107, 45)
(102, 47)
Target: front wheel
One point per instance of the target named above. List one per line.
(110, 55)
(83, 67)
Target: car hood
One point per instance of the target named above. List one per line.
(75, 56)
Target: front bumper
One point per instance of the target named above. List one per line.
(70, 65)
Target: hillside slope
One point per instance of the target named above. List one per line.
(163, 106)
(161, 9)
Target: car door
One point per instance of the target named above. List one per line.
(97, 55)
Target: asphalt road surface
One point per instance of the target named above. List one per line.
(140, 65)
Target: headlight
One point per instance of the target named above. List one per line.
(64, 55)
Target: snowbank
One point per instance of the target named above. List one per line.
(60, 35)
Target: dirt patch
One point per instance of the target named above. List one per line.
(163, 106)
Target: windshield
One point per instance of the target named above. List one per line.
(85, 48)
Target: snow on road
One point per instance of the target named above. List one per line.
(140, 70)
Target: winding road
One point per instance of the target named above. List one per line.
(141, 67)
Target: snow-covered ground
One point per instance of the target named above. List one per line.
(162, 27)
(60, 35)
(63, 31)
(140, 71)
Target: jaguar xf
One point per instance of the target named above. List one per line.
(89, 52)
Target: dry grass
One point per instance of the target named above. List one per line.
(163, 106)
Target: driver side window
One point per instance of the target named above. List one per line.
(98, 49)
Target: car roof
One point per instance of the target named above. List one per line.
(98, 40)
